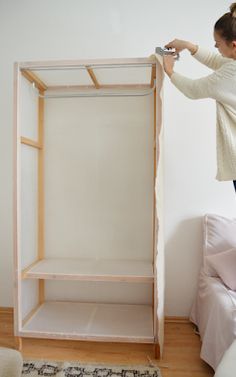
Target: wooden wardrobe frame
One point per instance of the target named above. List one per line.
(27, 69)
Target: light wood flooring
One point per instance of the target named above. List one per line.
(181, 352)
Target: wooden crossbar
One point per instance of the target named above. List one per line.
(93, 78)
(32, 143)
(32, 77)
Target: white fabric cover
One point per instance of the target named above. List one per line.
(224, 265)
(227, 366)
(219, 234)
(214, 312)
(214, 309)
(11, 363)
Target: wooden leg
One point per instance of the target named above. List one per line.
(18, 343)
(156, 351)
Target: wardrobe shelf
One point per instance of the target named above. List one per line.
(91, 270)
(91, 321)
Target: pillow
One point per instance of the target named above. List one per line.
(219, 234)
(224, 265)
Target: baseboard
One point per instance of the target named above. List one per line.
(176, 319)
(6, 310)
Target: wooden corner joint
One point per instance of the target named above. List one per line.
(33, 78)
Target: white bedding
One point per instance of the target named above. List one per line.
(214, 312)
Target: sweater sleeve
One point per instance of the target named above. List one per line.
(195, 89)
(212, 60)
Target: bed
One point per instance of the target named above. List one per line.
(214, 308)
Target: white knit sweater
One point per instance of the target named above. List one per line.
(221, 86)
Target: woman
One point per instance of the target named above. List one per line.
(220, 85)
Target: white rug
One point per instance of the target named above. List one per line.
(75, 369)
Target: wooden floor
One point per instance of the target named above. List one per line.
(181, 352)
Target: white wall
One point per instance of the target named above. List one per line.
(61, 29)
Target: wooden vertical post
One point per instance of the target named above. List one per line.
(18, 343)
(153, 79)
(41, 189)
(16, 209)
(156, 347)
(159, 242)
(154, 174)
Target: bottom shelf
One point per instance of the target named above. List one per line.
(91, 321)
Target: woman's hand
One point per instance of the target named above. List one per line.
(168, 63)
(179, 45)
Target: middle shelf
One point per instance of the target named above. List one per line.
(90, 270)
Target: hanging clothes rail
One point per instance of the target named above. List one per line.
(98, 94)
(92, 66)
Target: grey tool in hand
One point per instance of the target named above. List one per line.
(165, 51)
